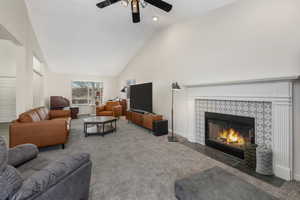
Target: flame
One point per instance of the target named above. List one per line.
(224, 134)
(231, 136)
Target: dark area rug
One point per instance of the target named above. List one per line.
(232, 161)
(218, 184)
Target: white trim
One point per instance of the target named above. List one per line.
(247, 98)
(282, 140)
(278, 91)
(283, 172)
(191, 121)
(261, 80)
(38, 73)
(297, 177)
(7, 76)
(6, 35)
(176, 132)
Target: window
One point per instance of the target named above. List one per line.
(87, 93)
(38, 83)
(131, 82)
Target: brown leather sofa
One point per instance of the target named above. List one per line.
(40, 127)
(112, 108)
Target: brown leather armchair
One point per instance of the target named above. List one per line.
(40, 127)
(112, 108)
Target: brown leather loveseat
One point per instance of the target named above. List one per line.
(40, 127)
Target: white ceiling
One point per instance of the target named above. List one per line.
(77, 37)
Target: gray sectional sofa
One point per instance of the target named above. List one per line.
(66, 179)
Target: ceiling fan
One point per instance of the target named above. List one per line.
(135, 6)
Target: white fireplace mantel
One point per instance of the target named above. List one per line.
(278, 91)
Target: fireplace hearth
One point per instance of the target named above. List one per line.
(229, 133)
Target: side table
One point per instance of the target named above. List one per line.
(74, 112)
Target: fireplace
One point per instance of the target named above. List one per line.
(229, 133)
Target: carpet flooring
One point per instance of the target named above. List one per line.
(132, 164)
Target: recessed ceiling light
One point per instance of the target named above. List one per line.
(155, 18)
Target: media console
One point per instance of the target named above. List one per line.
(145, 120)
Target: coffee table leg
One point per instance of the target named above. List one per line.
(103, 126)
(98, 128)
(85, 130)
(116, 126)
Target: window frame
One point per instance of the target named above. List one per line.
(89, 98)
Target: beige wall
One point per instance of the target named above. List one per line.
(246, 40)
(14, 18)
(60, 85)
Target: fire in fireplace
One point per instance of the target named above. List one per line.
(229, 133)
(231, 137)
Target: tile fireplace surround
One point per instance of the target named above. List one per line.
(269, 101)
(260, 111)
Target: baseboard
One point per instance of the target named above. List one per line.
(184, 136)
(297, 177)
(176, 133)
(283, 172)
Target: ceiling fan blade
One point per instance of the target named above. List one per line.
(160, 4)
(106, 3)
(135, 8)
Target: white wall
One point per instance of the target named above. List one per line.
(60, 85)
(38, 83)
(7, 99)
(297, 130)
(38, 90)
(14, 18)
(245, 40)
(8, 58)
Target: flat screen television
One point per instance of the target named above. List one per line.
(141, 97)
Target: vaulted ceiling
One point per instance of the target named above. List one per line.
(78, 37)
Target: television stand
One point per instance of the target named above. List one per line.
(143, 119)
(138, 111)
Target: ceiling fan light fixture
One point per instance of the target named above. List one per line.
(135, 9)
(135, 6)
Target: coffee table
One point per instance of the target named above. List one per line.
(98, 125)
